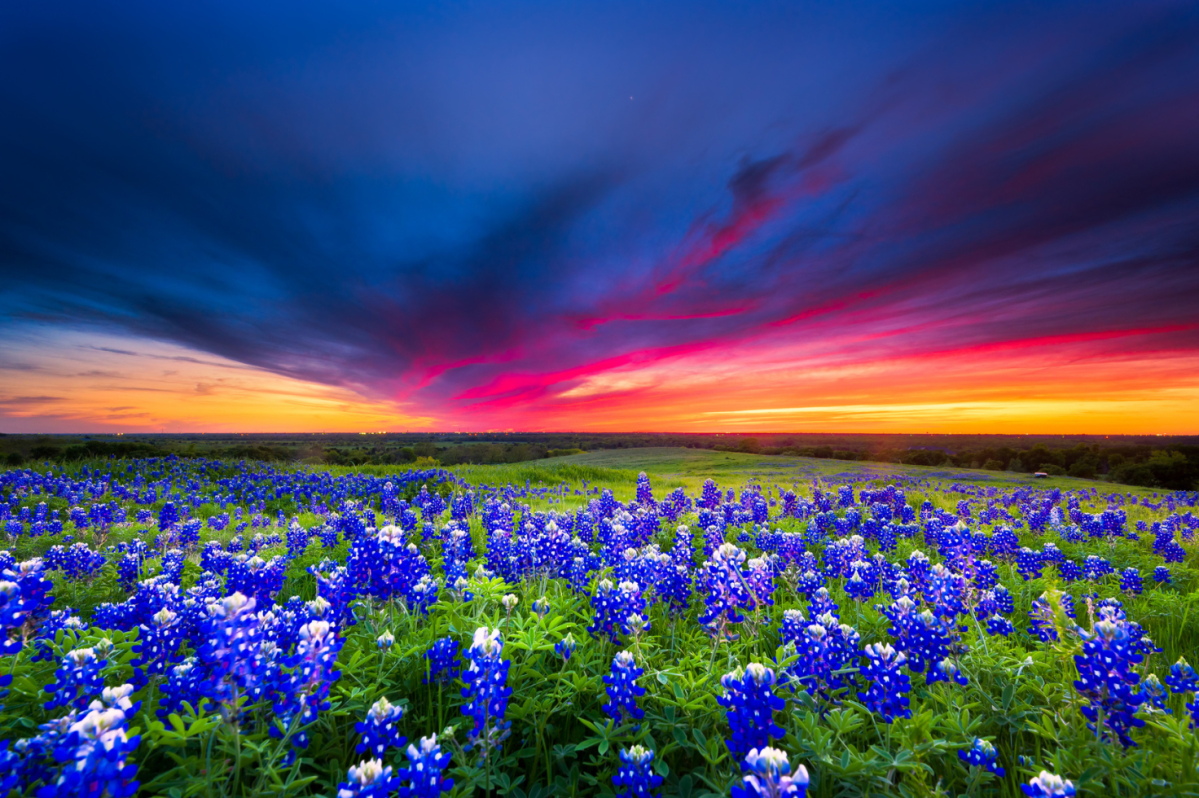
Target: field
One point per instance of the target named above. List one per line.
(562, 627)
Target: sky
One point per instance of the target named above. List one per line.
(658, 216)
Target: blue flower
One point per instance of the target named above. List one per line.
(635, 774)
(425, 770)
(369, 779)
(379, 730)
(887, 684)
(1182, 677)
(750, 703)
(982, 754)
(622, 689)
(998, 625)
(1130, 581)
(77, 679)
(443, 660)
(486, 689)
(565, 647)
(768, 775)
(93, 756)
(1106, 676)
(1048, 785)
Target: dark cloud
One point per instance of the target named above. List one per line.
(425, 205)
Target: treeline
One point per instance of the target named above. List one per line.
(1174, 469)
(1150, 461)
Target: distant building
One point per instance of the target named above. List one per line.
(1041, 475)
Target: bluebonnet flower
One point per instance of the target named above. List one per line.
(858, 588)
(997, 625)
(635, 774)
(610, 615)
(425, 771)
(947, 670)
(93, 756)
(256, 578)
(305, 691)
(1028, 563)
(768, 775)
(1048, 785)
(158, 644)
(1042, 623)
(24, 603)
(726, 591)
(887, 684)
(541, 606)
(1182, 677)
(486, 689)
(167, 517)
(379, 730)
(1161, 575)
(443, 660)
(828, 647)
(622, 689)
(1154, 695)
(809, 582)
(982, 754)
(1130, 581)
(369, 779)
(385, 641)
(77, 679)
(1095, 567)
(231, 658)
(750, 703)
(565, 647)
(1106, 677)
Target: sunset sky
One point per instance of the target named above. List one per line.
(692, 216)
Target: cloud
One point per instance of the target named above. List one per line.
(404, 209)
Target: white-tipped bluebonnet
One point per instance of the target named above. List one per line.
(486, 689)
(635, 774)
(982, 754)
(565, 647)
(1182, 677)
(77, 679)
(1048, 785)
(379, 729)
(887, 685)
(1130, 581)
(768, 775)
(1106, 677)
(370, 778)
(425, 771)
(750, 704)
(443, 660)
(623, 690)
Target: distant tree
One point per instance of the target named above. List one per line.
(1054, 470)
(15, 459)
(425, 449)
(751, 445)
(993, 465)
(1015, 465)
(1086, 468)
(1134, 474)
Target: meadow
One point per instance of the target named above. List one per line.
(635, 622)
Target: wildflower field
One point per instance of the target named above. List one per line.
(192, 627)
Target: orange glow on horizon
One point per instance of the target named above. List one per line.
(96, 384)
